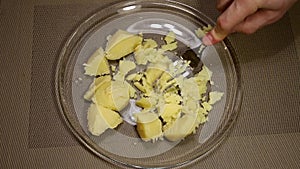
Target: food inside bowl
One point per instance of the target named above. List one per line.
(173, 101)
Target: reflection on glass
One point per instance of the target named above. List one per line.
(127, 8)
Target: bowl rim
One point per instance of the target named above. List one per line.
(76, 36)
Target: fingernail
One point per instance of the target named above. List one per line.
(208, 39)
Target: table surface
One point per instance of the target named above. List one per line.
(33, 134)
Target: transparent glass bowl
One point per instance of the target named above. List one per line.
(122, 146)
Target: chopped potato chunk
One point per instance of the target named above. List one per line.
(113, 95)
(121, 44)
(97, 64)
(171, 104)
(101, 118)
(149, 126)
(182, 127)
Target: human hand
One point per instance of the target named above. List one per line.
(245, 16)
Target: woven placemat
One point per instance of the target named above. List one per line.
(52, 25)
(269, 68)
(270, 71)
(0, 7)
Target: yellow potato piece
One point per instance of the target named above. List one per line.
(113, 95)
(170, 112)
(214, 97)
(145, 51)
(121, 44)
(138, 77)
(144, 102)
(169, 85)
(144, 87)
(125, 66)
(103, 67)
(96, 123)
(201, 116)
(181, 128)
(139, 86)
(172, 98)
(170, 46)
(100, 119)
(118, 36)
(149, 126)
(190, 89)
(132, 91)
(170, 37)
(131, 77)
(141, 55)
(202, 79)
(153, 55)
(200, 32)
(102, 79)
(174, 89)
(95, 85)
(191, 106)
(152, 74)
(165, 77)
(202, 87)
(157, 59)
(103, 95)
(147, 86)
(206, 106)
(112, 118)
(149, 43)
(204, 75)
(97, 64)
(120, 94)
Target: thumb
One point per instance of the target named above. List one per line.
(214, 36)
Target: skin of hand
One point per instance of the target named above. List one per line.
(245, 16)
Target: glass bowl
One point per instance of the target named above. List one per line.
(122, 146)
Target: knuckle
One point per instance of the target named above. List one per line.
(222, 23)
(249, 29)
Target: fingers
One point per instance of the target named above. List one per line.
(232, 16)
(223, 4)
(211, 38)
(258, 20)
(245, 16)
(268, 13)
